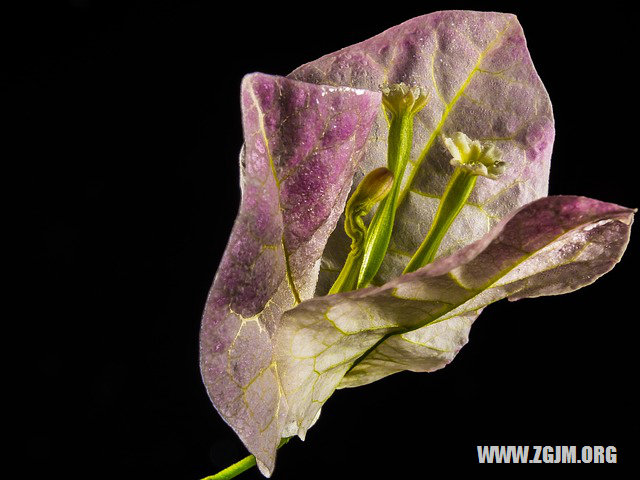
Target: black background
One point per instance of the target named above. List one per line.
(125, 128)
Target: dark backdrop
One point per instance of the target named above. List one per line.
(126, 120)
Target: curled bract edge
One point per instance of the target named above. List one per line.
(302, 146)
(274, 347)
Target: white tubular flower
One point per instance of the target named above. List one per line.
(400, 98)
(478, 158)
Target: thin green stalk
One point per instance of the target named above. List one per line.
(454, 198)
(402, 103)
(234, 470)
(471, 158)
(373, 188)
(243, 465)
(348, 278)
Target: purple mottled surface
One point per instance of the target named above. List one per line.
(271, 354)
(302, 145)
(421, 320)
(481, 81)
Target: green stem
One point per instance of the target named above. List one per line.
(379, 232)
(454, 198)
(234, 470)
(402, 103)
(348, 278)
(375, 186)
(243, 465)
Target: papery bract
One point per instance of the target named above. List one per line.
(302, 143)
(270, 353)
(419, 321)
(477, 70)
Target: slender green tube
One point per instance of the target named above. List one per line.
(454, 198)
(402, 103)
(380, 228)
(243, 465)
(373, 188)
(348, 278)
(234, 470)
(471, 158)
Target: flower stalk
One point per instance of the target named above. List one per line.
(373, 188)
(234, 470)
(402, 103)
(471, 158)
(237, 468)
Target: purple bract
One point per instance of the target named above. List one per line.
(273, 346)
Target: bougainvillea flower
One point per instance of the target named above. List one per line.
(274, 345)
